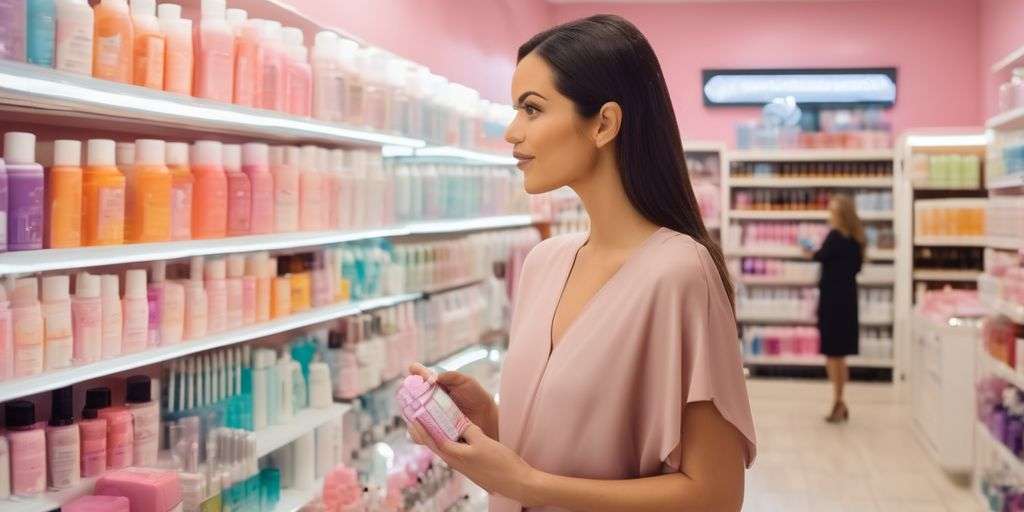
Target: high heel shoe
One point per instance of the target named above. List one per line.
(840, 414)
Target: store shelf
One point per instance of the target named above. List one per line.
(748, 318)
(273, 437)
(122, 107)
(1012, 120)
(800, 215)
(24, 262)
(946, 275)
(797, 253)
(755, 280)
(1010, 60)
(814, 360)
(810, 155)
(1005, 243)
(1012, 311)
(446, 287)
(1005, 455)
(451, 154)
(951, 241)
(47, 381)
(1007, 181)
(773, 182)
(293, 500)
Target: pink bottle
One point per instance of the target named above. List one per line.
(311, 186)
(135, 312)
(214, 54)
(86, 317)
(298, 76)
(210, 191)
(27, 327)
(432, 408)
(182, 185)
(98, 504)
(272, 94)
(284, 161)
(120, 437)
(332, 185)
(155, 302)
(196, 302)
(112, 319)
(217, 296)
(94, 443)
(249, 63)
(6, 338)
(235, 291)
(27, 448)
(255, 165)
(250, 283)
(239, 192)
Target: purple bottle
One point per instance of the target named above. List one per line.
(25, 194)
(3, 206)
(13, 18)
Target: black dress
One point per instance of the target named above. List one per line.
(840, 259)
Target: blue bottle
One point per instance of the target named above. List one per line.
(41, 29)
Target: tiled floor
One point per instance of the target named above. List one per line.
(874, 463)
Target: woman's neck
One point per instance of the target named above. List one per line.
(614, 223)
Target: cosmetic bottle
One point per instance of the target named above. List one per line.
(25, 192)
(354, 101)
(210, 199)
(284, 161)
(111, 316)
(135, 306)
(113, 39)
(249, 62)
(93, 431)
(310, 202)
(182, 184)
(298, 76)
(214, 54)
(148, 200)
(429, 405)
(255, 165)
(196, 301)
(262, 360)
(145, 420)
(155, 302)
(64, 196)
(103, 196)
(172, 317)
(27, 444)
(239, 192)
(255, 266)
(148, 46)
(273, 93)
(328, 80)
(57, 325)
(6, 337)
(27, 328)
(235, 291)
(217, 298)
(63, 442)
(120, 437)
(12, 35)
(179, 56)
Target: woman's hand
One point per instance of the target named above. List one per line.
(486, 462)
(473, 400)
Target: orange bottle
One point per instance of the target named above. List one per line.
(148, 47)
(64, 195)
(112, 41)
(182, 184)
(103, 190)
(148, 212)
(210, 193)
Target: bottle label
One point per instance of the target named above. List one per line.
(111, 325)
(446, 415)
(146, 425)
(74, 51)
(59, 346)
(108, 55)
(28, 344)
(149, 65)
(181, 212)
(110, 215)
(63, 449)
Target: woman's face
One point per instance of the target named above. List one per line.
(550, 139)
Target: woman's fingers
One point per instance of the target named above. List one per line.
(427, 374)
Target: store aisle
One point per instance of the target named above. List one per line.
(875, 463)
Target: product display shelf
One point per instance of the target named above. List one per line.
(49, 93)
(1005, 243)
(1008, 181)
(951, 241)
(1005, 456)
(969, 276)
(799, 215)
(293, 500)
(273, 437)
(448, 154)
(773, 182)
(25, 262)
(810, 155)
(797, 253)
(25, 386)
(1011, 60)
(758, 280)
(1010, 120)
(813, 360)
(996, 306)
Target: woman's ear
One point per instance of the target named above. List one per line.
(609, 121)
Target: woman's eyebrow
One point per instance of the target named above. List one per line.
(524, 95)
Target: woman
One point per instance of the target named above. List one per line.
(841, 256)
(622, 388)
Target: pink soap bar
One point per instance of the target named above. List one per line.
(98, 504)
(432, 408)
(148, 490)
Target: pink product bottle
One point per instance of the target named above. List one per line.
(235, 291)
(86, 318)
(196, 302)
(120, 436)
(432, 408)
(112, 316)
(239, 192)
(98, 504)
(214, 54)
(94, 443)
(135, 307)
(155, 302)
(333, 186)
(182, 184)
(27, 327)
(298, 74)
(27, 448)
(310, 203)
(249, 63)
(250, 301)
(217, 296)
(172, 319)
(272, 94)
(147, 490)
(284, 162)
(63, 442)
(255, 165)
(6, 338)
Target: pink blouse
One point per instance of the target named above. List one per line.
(608, 402)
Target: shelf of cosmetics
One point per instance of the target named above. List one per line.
(840, 128)
(787, 305)
(183, 301)
(789, 235)
(763, 340)
(258, 392)
(816, 199)
(945, 171)
(250, 62)
(152, 191)
(1004, 158)
(791, 170)
(567, 213)
(1001, 286)
(1004, 221)
(950, 220)
(948, 258)
(705, 170)
(751, 271)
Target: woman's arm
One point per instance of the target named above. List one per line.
(710, 478)
(827, 248)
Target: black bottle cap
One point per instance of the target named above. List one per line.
(334, 339)
(138, 389)
(90, 414)
(97, 398)
(62, 406)
(20, 414)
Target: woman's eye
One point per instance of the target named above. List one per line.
(530, 110)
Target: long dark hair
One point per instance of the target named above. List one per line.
(604, 58)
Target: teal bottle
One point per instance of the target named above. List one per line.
(41, 29)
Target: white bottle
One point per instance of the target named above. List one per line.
(73, 52)
(286, 408)
(145, 420)
(328, 81)
(86, 315)
(111, 321)
(56, 302)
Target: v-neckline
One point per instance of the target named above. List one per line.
(552, 346)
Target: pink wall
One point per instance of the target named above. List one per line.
(934, 45)
(1001, 33)
(472, 42)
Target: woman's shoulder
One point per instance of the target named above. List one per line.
(679, 258)
(551, 248)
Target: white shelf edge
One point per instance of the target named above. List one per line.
(1005, 243)
(305, 421)
(23, 85)
(466, 154)
(1007, 120)
(25, 262)
(810, 155)
(813, 360)
(946, 275)
(810, 182)
(951, 241)
(47, 381)
(800, 215)
(758, 319)
(1007, 181)
(1009, 60)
